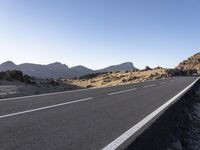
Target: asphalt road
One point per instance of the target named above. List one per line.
(82, 120)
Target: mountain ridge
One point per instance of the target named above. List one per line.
(59, 70)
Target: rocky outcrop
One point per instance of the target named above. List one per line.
(16, 75)
(191, 66)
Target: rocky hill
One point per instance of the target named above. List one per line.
(190, 66)
(58, 70)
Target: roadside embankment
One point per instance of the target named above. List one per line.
(178, 128)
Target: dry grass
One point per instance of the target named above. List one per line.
(119, 78)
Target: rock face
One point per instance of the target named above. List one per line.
(190, 66)
(58, 70)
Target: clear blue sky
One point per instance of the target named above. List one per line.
(98, 33)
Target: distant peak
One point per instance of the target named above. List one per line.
(57, 64)
(125, 64)
(79, 66)
(128, 63)
(10, 63)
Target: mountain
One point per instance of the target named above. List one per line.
(191, 65)
(81, 70)
(8, 65)
(58, 70)
(54, 70)
(121, 67)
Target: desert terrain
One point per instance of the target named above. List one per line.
(119, 77)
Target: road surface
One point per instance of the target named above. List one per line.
(85, 119)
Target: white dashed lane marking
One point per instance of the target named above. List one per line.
(149, 85)
(119, 92)
(163, 82)
(46, 107)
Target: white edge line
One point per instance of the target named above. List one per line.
(121, 139)
(119, 92)
(46, 107)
